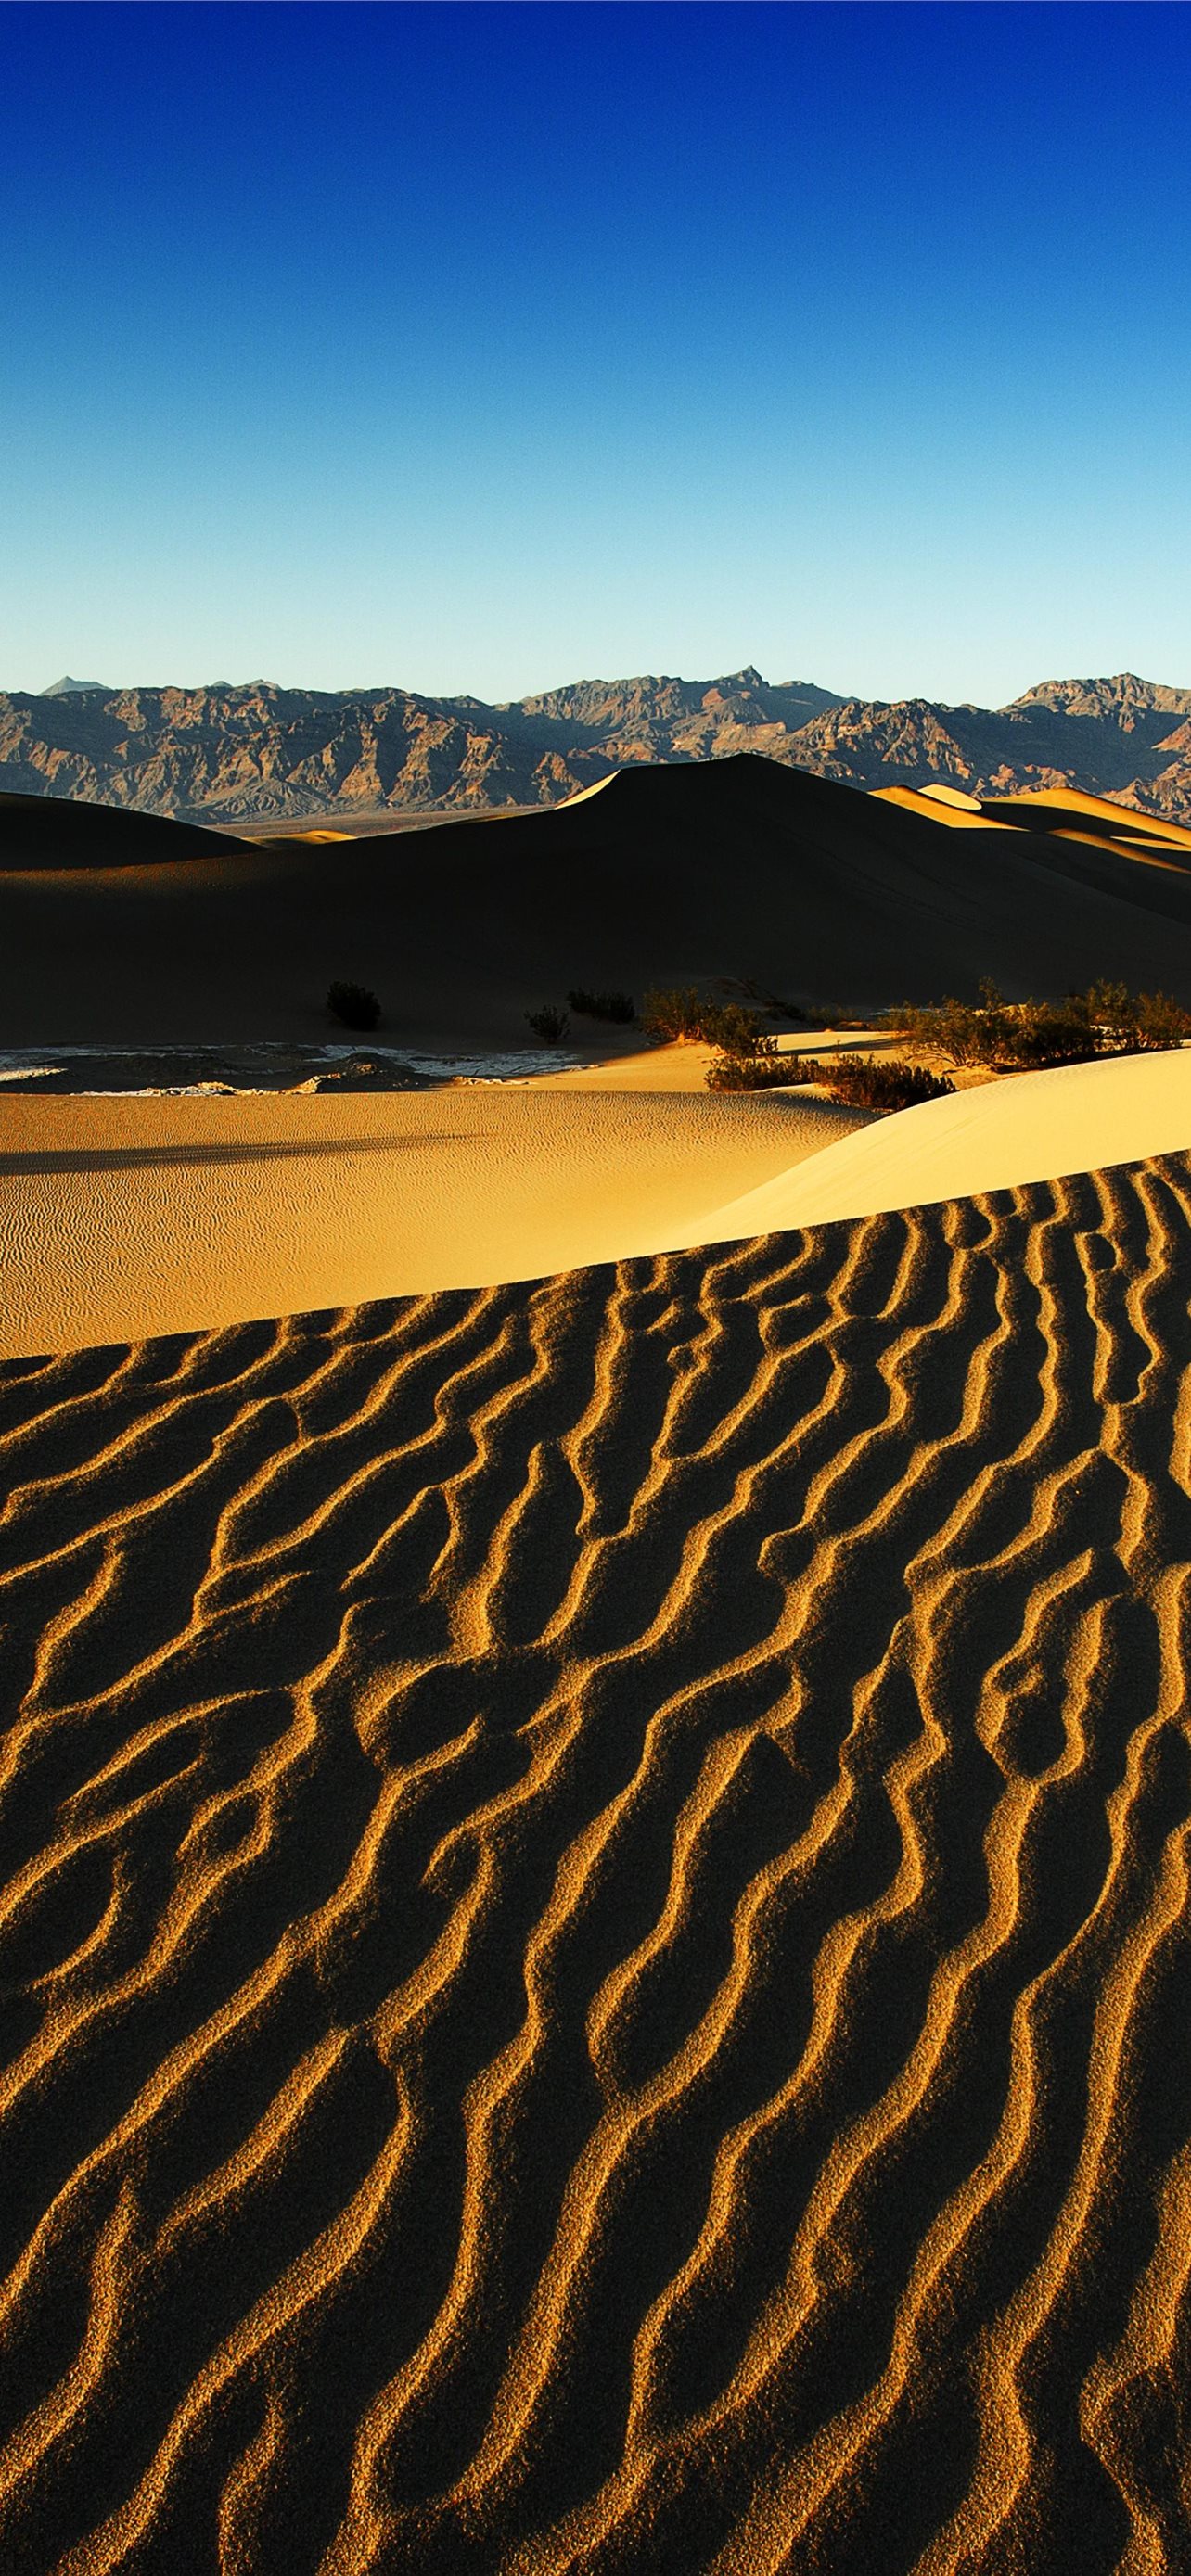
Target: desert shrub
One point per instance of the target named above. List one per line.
(1132, 1023)
(864, 1082)
(1161, 1021)
(870, 1082)
(1038, 1035)
(729, 1026)
(354, 1005)
(761, 1072)
(969, 1032)
(672, 1012)
(736, 1031)
(1018, 1037)
(604, 1006)
(549, 1024)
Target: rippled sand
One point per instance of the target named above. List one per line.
(596, 1919)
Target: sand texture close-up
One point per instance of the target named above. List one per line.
(595, 1917)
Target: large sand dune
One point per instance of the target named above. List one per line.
(596, 1918)
(736, 867)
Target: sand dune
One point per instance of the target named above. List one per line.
(730, 868)
(1071, 803)
(958, 812)
(56, 833)
(596, 1916)
(124, 1217)
(1030, 1127)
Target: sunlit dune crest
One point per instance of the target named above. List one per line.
(596, 1916)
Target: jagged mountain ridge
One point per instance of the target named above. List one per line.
(231, 755)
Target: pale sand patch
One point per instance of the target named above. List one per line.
(684, 1066)
(123, 1218)
(126, 1217)
(1030, 1127)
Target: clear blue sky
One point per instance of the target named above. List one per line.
(485, 347)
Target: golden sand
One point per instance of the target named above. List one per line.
(122, 1217)
(595, 1918)
(126, 1217)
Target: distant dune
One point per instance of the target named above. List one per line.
(735, 867)
(54, 833)
(596, 1923)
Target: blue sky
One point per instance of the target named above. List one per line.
(479, 348)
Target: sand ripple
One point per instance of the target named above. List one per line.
(595, 1918)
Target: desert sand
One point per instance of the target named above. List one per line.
(123, 1217)
(128, 1217)
(595, 1792)
(596, 1916)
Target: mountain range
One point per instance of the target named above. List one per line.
(239, 755)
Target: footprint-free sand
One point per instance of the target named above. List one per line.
(126, 1217)
(595, 1909)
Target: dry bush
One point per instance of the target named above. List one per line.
(549, 1024)
(761, 1072)
(870, 1082)
(672, 1011)
(354, 1005)
(619, 1007)
(679, 1013)
(1019, 1037)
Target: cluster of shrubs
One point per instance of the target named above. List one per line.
(551, 1025)
(619, 1007)
(680, 1012)
(877, 1082)
(1018, 1037)
(867, 1082)
(764, 1071)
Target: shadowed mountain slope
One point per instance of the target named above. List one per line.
(736, 867)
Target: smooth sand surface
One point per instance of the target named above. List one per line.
(961, 814)
(126, 1217)
(1029, 1127)
(596, 1919)
(1072, 800)
(123, 1217)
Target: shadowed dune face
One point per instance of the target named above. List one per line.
(595, 1917)
(737, 866)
